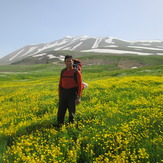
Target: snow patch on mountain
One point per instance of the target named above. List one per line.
(149, 48)
(148, 41)
(97, 41)
(112, 46)
(62, 47)
(16, 54)
(109, 40)
(51, 56)
(115, 51)
(84, 37)
(76, 46)
(30, 50)
(39, 55)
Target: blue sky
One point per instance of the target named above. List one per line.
(24, 22)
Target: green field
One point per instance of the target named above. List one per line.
(119, 118)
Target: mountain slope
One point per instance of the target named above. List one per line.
(43, 53)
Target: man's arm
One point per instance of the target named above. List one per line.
(60, 83)
(79, 81)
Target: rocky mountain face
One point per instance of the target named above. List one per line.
(53, 51)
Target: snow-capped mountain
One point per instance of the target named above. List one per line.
(51, 51)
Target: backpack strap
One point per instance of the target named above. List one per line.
(74, 74)
(62, 72)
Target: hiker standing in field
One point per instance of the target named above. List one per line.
(70, 90)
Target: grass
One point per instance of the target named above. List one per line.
(118, 120)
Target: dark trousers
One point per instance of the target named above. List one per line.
(67, 101)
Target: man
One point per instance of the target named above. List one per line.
(70, 90)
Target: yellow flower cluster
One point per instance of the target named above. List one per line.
(119, 120)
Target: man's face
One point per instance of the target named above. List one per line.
(69, 63)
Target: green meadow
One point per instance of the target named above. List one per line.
(119, 119)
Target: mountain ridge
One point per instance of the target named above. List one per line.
(48, 52)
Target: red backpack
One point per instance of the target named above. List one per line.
(78, 67)
(77, 64)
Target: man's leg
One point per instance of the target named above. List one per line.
(61, 110)
(72, 107)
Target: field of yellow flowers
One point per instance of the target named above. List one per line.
(119, 120)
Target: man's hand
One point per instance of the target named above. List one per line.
(77, 101)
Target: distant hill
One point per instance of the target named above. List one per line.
(81, 46)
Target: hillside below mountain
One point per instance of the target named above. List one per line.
(81, 46)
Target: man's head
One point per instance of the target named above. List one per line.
(69, 61)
